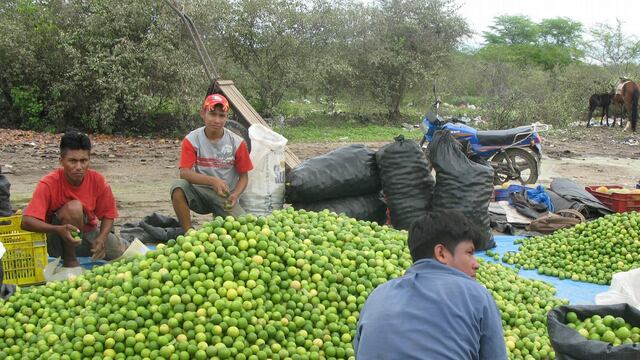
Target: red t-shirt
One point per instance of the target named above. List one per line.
(53, 191)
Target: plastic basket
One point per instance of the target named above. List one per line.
(26, 254)
(616, 202)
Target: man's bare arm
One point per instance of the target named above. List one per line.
(30, 223)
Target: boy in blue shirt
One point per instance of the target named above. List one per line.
(437, 310)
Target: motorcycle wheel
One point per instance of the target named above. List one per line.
(524, 163)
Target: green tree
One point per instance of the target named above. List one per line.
(512, 30)
(561, 32)
(331, 25)
(266, 39)
(30, 59)
(562, 37)
(95, 65)
(517, 39)
(610, 46)
(399, 43)
(126, 64)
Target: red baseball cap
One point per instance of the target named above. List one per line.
(214, 99)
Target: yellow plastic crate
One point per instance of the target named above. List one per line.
(26, 255)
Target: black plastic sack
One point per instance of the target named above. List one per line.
(345, 172)
(6, 290)
(573, 192)
(462, 184)
(406, 181)
(5, 204)
(531, 209)
(570, 345)
(365, 207)
(154, 228)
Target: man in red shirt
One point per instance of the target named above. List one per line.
(214, 163)
(73, 199)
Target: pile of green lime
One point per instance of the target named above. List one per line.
(589, 252)
(524, 304)
(287, 286)
(613, 330)
(290, 285)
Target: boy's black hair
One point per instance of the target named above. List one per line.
(74, 140)
(446, 227)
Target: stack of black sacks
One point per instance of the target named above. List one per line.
(345, 181)
(349, 180)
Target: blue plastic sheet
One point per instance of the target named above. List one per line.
(578, 293)
(86, 262)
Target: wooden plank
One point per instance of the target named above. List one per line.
(290, 159)
(249, 116)
(240, 104)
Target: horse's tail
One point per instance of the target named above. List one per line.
(634, 109)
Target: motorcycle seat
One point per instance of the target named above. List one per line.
(503, 137)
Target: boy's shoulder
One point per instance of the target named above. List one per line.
(194, 134)
(233, 137)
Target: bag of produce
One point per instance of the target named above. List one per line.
(625, 288)
(265, 190)
(345, 172)
(406, 181)
(462, 184)
(365, 207)
(613, 324)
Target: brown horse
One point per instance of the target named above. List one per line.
(628, 97)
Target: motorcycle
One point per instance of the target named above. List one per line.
(514, 154)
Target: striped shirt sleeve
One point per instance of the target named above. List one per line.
(187, 155)
(243, 162)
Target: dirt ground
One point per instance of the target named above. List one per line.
(141, 170)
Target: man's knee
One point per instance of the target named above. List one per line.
(178, 195)
(71, 210)
(178, 189)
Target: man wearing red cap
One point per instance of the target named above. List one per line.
(214, 163)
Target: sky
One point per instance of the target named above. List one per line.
(480, 13)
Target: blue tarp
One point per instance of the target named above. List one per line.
(86, 262)
(578, 293)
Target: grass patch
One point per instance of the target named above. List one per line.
(314, 133)
(349, 121)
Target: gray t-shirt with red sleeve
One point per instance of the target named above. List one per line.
(224, 158)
